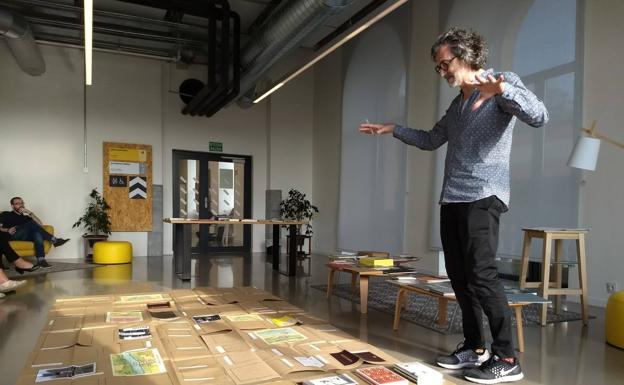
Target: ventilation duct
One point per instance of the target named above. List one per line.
(283, 30)
(21, 42)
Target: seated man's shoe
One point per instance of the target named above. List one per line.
(24, 270)
(44, 264)
(60, 242)
(463, 357)
(494, 371)
(10, 286)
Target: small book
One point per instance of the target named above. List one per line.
(419, 373)
(135, 333)
(379, 375)
(66, 372)
(163, 315)
(340, 379)
(376, 262)
(206, 318)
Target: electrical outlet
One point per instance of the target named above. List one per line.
(611, 287)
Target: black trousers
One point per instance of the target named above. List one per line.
(469, 234)
(6, 249)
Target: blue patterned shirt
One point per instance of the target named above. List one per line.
(479, 142)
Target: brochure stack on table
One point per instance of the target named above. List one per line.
(201, 336)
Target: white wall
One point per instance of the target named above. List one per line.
(328, 82)
(41, 127)
(42, 133)
(602, 201)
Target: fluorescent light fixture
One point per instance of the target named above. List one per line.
(334, 47)
(88, 40)
(269, 92)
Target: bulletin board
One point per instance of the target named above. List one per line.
(127, 170)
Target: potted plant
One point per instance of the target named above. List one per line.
(297, 208)
(95, 220)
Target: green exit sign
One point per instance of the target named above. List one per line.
(215, 146)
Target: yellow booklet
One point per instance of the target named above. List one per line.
(376, 262)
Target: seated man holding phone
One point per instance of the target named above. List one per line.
(23, 225)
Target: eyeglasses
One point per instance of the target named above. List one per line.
(444, 65)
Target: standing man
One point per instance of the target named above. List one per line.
(24, 225)
(478, 127)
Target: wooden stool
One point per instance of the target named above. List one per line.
(554, 288)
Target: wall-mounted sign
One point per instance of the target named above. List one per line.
(127, 154)
(215, 146)
(138, 188)
(128, 168)
(117, 180)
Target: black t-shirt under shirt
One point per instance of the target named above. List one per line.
(11, 218)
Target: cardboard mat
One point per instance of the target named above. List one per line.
(200, 336)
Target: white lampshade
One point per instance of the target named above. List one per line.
(585, 153)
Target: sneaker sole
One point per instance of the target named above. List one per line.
(459, 366)
(515, 377)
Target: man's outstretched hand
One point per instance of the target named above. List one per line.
(487, 87)
(372, 129)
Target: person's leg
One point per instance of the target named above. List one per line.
(7, 285)
(33, 227)
(452, 230)
(483, 229)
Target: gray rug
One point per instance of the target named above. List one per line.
(56, 268)
(423, 310)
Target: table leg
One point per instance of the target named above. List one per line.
(442, 302)
(330, 281)
(363, 294)
(558, 273)
(397, 308)
(276, 247)
(292, 255)
(545, 277)
(519, 328)
(182, 251)
(582, 270)
(526, 252)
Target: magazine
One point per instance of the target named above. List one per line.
(124, 316)
(205, 318)
(134, 333)
(379, 375)
(245, 318)
(137, 363)
(44, 375)
(340, 379)
(142, 298)
(280, 336)
(284, 321)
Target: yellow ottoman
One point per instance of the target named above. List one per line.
(614, 319)
(112, 252)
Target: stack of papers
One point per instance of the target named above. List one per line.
(419, 373)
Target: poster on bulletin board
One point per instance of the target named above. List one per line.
(127, 185)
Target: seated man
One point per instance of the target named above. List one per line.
(24, 225)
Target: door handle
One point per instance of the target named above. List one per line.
(205, 202)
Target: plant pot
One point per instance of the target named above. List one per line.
(88, 242)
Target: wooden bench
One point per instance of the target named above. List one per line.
(405, 289)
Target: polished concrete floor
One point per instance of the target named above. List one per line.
(564, 353)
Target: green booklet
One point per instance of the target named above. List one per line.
(280, 336)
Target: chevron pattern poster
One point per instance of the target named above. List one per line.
(137, 188)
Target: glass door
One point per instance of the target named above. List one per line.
(213, 186)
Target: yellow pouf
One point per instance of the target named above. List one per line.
(112, 252)
(614, 319)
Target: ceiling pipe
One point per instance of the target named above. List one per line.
(283, 31)
(21, 42)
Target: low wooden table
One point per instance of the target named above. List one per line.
(405, 289)
(364, 273)
(182, 241)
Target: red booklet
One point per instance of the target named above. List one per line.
(379, 375)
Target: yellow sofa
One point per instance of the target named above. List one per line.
(27, 248)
